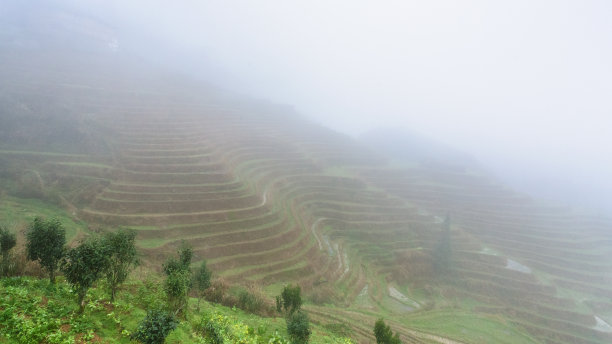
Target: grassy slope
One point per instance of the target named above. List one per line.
(32, 311)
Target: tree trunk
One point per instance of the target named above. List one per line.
(52, 276)
(82, 301)
(113, 291)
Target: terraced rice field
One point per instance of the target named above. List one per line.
(266, 196)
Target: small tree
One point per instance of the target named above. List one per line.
(7, 242)
(384, 335)
(84, 265)
(178, 280)
(155, 327)
(122, 258)
(185, 253)
(201, 280)
(298, 327)
(290, 299)
(45, 243)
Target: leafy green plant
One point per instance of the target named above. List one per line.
(298, 327)
(290, 299)
(83, 265)
(45, 243)
(383, 333)
(7, 242)
(155, 327)
(122, 257)
(218, 328)
(172, 264)
(201, 280)
(176, 287)
(178, 279)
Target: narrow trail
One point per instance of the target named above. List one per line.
(264, 198)
(312, 229)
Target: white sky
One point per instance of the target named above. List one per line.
(522, 83)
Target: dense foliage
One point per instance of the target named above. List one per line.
(384, 335)
(290, 299)
(298, 327)
(45, 243)
(7, 242)
(84, 265)
(122, 257)
(155, 327)
(178, 279)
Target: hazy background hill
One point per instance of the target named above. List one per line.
(109, 122)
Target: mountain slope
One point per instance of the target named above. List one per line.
(268, 197)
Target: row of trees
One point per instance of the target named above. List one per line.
(112, 256)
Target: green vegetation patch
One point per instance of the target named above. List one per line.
(19, 211)
(468, 327)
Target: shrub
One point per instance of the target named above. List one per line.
(45, 243)
(201, 280)
(251, 301)
(176, 288)
(185, 253)
(155, 327)
(383, 333)
(290, 299)
(7, 242)
(218, 328)
(84, 265)
(217, 291)
(178, 279)
(298, 327)
(122, 258)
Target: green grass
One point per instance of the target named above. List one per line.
(20, 212)
(32, 311)
(468, 327)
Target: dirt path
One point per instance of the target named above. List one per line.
(312, 229)
(264, 199)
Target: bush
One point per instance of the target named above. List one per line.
(290, 299)
(122, 258)
(45, 243)
(176, 288)
(7, 242)
(218, 328)
(384, 335)
(84, 265)
(217, 291)
(155, 327)
(178, 280)
(298, 327)
(253, 301)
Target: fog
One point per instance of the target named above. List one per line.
(524, 86)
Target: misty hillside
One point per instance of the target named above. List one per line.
(442, 250)
(267, 197)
